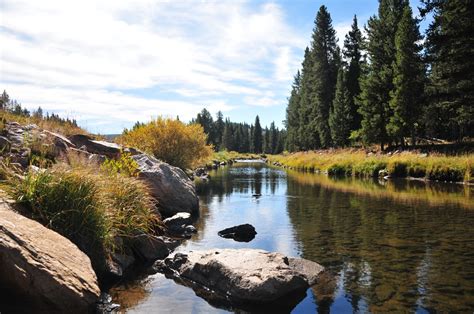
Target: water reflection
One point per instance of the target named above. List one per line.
(390, 246)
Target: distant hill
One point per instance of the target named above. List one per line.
(110, 137)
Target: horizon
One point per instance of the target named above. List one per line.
(137, 60)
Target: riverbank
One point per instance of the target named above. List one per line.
(358, 163)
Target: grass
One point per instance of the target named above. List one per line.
(226, 156)
(89, 205)
(352, 162)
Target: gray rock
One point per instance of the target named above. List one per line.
(244, 275)
(150, 248)
(172, 188)
(111, 150)
(44, 269)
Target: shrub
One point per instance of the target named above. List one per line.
(397, 169)
(369, 168)
(170, 140)
(416, 170)
(340, 170)
(444, 172)
(124, 165)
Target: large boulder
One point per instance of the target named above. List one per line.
(44, 270)
(245, 276)
(240, 233)
(111, 150)
(170, 185)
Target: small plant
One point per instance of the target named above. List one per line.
(124, 165)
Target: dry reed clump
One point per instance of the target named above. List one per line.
(89, 205)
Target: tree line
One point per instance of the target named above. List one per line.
(223, 134)
(389, 86)
(14, 107)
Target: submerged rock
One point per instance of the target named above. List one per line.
(170, 185)
(43, 269)
(243, 276)
(240, 233)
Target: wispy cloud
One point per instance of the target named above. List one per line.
(129, 60)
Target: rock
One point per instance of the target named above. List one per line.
(118, 264)
(199, 172)
(44, 269)
(61, 143)
(383, 173)
(111, 150)
(172, 188)
(384, 292)
(5, 144)
(245, 276)
(240, 233)
(178, 219)
(150, 248)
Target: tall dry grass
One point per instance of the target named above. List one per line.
(351, 162)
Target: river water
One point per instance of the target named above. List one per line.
(404, 246)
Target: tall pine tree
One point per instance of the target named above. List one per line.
(341, 119)
(257, 137)
(326, 61)
(353, 46)
(450, 51)
(378, 84)
(292, 121)
(409, 77)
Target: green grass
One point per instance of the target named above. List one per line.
(90, 207)
(351, 162)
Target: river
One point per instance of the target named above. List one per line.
(405, 246)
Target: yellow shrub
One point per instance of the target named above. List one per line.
(170, 140)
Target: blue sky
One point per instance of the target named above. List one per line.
(110, 63)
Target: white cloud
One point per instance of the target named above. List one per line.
(341, 30)
(71, 54)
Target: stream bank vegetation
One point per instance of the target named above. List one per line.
(89, 204)
(358, 163)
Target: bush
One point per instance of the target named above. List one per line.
(416, 170)
(397, 169)
(443, 172)
(340, 170)
(369, 168)
(170, 140)
(124, 165)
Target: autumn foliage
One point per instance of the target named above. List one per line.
(170, 140)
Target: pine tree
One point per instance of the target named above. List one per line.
(227, 137)
(219, 130)
(273, 138)
(450, 51)
(204, 118)
(353, 45)
(326, 59)
(257, 137)
(266, 141)
(292, 121)
(378, 84)
(340, 119)
(409, 77)
(4, 100)
(308, 137)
